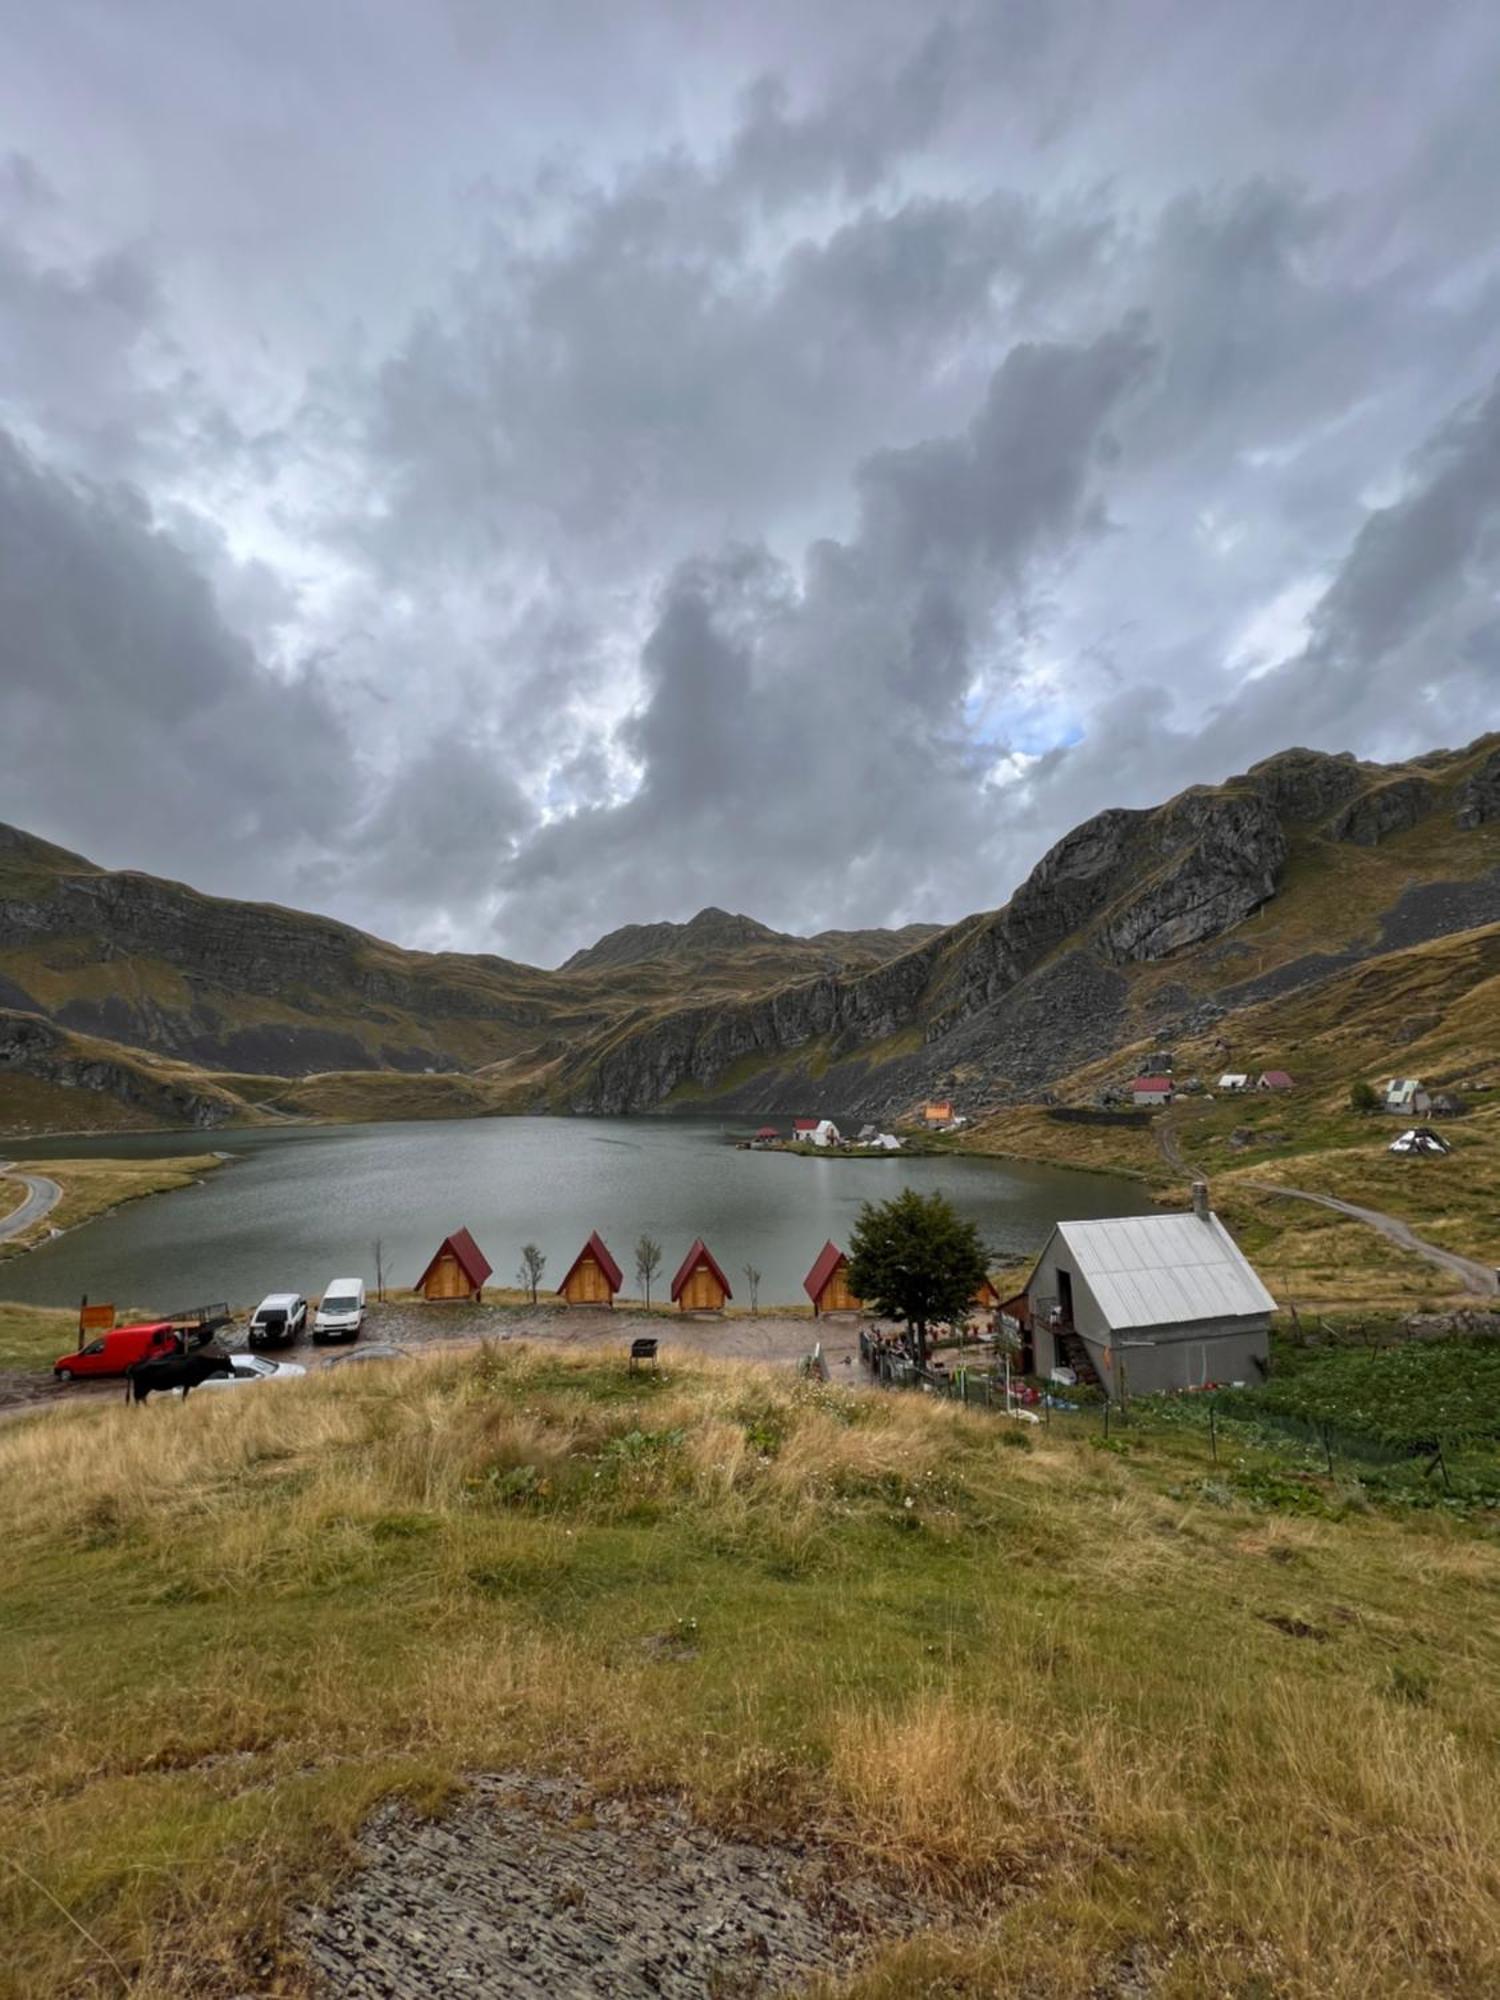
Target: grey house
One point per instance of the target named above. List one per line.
(1167, 1301)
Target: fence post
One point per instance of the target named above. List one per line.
(1213, 1432)
(1328, 1449)
(1106, 1416)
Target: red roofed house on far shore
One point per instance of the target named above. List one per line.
(593, 1277)
(827, 1284)
(1151, 1090)
(768, 1132)
(1275, 1079)
(700, 1286)
(458, 1270)
(803, 1128)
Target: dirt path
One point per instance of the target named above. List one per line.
(1481, 1279)
(42, 1197)
(1472, 1275)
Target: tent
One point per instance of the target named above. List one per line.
(1420, 1139)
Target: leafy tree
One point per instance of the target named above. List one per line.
(647, 1263)
(752, 1279)
(915, 1258)
(1364, 1097)
(533, 1263)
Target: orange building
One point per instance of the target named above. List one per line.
(827, 1284)
(939, 1112)
(700, 1286)
(458, 1270)
(593, 1277)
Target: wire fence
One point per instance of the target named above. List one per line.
(1214, 1428)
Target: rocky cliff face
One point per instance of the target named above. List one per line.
(30, 1046)
(1135, 885)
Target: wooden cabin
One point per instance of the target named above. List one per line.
(593, 1277)
(458, 1270)
(700, 1286)
(827, 1284)
(987, 1298)
(938, 1112)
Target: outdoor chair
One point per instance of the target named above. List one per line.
(642, 1350)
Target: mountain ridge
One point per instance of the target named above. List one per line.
(1136, 916)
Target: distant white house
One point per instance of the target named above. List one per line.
(887, 1142)
(823, 1133)
(1234, 1079)
(1151, 1090)
(1406, 1097)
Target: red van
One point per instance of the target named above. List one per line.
(112, 1353)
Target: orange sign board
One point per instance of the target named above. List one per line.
(95, 1319)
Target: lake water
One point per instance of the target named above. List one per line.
(299, 1206)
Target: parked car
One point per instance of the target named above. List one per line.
(341, 1311)
(373, 1350)
(245, 1368)
(114, 1352)
(278, 1319)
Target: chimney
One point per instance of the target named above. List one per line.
(1200, 1200)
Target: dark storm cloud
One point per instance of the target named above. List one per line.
(135, 725)
(501, 473)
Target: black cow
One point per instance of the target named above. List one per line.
(175, 1371)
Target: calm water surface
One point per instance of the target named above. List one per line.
(296, 1207)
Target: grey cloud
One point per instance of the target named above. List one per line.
(133, 721)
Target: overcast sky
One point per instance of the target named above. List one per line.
(496, 471)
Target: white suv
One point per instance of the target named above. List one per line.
(278, 1319)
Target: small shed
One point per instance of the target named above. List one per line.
(1407, 1096)
(700, 1286)
(768, 1132)
(1234, 1079)
(938, 1112)
(593, 1277)
(1151, 1090)
(1446, 1105)
(1169, 1301)
(803, 1128)
(457, 1271)
(827, 1284)
(1274, 1079)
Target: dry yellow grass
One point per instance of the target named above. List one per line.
(1040, 1680)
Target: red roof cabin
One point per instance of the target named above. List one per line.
(803, 1128)
(1152, 1090)
(987, 1297)
(593, 1277)
(827, 1284)
(1275, 1079)
(768, 1132)
(458, 1271)
(700, 1286)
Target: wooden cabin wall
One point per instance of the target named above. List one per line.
(587, 1285)
(702, 1292)
(447, 1280)
(837, 1297)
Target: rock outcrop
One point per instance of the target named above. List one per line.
(1385, 809)
(31, 1046)
(1479, 796)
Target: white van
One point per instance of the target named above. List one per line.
(341, 1313)
(279, 1318)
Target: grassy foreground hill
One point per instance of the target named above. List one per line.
(1131, 1724)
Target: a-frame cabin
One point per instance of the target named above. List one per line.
(458, 1270)
(593, 1277)
(827, 1284)
(700, 1286)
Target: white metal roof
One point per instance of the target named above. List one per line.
(1164, 1270)
(1233, 1078)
